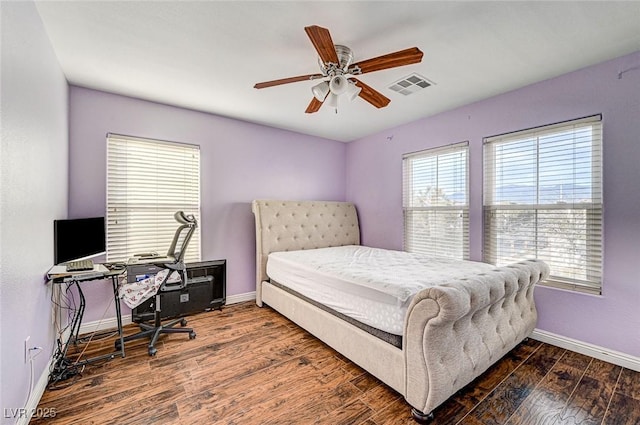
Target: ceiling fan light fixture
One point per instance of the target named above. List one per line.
(352, 91)
(332, 100)
(339, 85)
(320, 91)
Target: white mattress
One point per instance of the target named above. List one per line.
(371, 285)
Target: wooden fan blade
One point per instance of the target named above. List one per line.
(372, 95)
(391, 60)
(321, 39)
(287, 80)
(314, 106)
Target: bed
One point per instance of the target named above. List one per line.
(452, 329)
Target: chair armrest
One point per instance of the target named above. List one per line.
(179, 267)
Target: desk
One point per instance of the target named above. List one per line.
(64, 367)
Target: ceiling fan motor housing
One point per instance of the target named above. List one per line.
(345, 58)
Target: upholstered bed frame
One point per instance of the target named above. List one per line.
(452, 332)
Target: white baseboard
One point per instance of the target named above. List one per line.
(112, 323)
(240, 298)
(104, 324)
(31, 408)
(605, 354)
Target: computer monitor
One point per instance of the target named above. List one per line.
(78, 239)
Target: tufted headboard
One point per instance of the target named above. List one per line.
(294, 225)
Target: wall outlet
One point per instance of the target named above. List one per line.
(26, 349)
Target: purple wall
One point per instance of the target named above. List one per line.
(239, 162)
(374, 182)
(33, 189)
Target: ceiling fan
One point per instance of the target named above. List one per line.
(337, 72)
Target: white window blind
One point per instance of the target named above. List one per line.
(543, 199)
(436, 201)
(147, 182)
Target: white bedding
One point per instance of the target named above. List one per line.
(371, 285)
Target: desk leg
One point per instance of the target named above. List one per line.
(114, 282)
(77, 320)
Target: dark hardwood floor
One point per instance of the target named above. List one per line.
(249, 365)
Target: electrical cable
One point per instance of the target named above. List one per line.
(62, 369)
(31, 368)
(65, 368)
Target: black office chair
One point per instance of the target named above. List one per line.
(174, 262)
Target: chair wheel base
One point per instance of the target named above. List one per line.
(152, 351)
(192, 335)
(420, 417)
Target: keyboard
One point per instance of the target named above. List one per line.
(80, 265)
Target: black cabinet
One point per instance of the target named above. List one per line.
(206, 290)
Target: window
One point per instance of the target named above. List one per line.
(436, 201)
(543, 199)
(147, 182)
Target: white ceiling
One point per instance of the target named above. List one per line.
(207, 56)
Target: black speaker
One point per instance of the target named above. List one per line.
(206, 290)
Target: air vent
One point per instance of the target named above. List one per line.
(411, 84)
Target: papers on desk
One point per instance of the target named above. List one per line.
(60, 272)
(150, 260)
